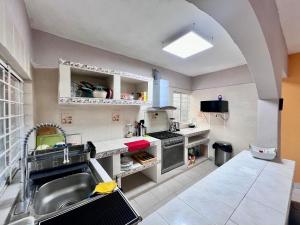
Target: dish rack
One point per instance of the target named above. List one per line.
(144, 157)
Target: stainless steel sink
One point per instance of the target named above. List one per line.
(60, 193)
(55, 194)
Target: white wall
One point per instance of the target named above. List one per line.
(228, 77)
(15, 36)
(92, 122)
(236, 86)
(95, 122)
(259, 36)
(240, 128)
(49, 48)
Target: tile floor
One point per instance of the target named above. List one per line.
(155, 196)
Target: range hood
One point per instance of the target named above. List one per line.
(160, 93)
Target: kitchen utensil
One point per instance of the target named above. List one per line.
(109, 93)
(124, 96)
(50, 140)
(145, 96)
(177, 126)
(87, 85)
(172, 126)
(191, 125)
(131, 96)
(87, 92)
(99, 87)
(142, 130)
(99, 94)
(144, 157)
(129, 132)
(126, 163)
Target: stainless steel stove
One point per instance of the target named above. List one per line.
(164, 135)
(172, 147)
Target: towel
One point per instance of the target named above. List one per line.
(105, 188)
(137, 145)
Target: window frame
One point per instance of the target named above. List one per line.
(180, 119)
(12, 122)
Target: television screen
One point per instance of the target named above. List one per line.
(217, 106)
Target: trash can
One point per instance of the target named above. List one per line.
(223, 152)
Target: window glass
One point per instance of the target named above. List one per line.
(11, 124)
(1, 127)
(2, 145)
(2, 162)
(182, 102)
(1, 109)
(14, 81)
(6, 75)
(1, 90)
(6, 92)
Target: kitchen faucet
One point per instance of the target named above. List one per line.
(22, 207)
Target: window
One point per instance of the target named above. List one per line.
(11, 122)
(182, 103)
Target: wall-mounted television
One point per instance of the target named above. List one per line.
(217, 106)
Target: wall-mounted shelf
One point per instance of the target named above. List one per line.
(134, 86)
(99, 101)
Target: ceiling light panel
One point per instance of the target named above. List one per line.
(187, 45)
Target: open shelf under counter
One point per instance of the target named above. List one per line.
(198, 161)
(137, 167)
(197, 142)
(99, 101)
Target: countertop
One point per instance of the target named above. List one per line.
(188, 132)
(244, 191)
(117, 146)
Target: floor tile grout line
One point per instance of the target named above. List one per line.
(171, 178)
(182, 189)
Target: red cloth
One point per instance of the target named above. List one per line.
(137, 145)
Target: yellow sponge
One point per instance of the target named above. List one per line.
(105, 188)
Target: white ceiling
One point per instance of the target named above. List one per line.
(137, 28)
(289, 12)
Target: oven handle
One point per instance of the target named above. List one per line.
(172, 146)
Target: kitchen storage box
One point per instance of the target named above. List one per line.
(144, 157)
(263, 153)
(223, 152)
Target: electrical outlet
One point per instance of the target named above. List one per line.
(115, 117)
(66, 118)
(154, 116)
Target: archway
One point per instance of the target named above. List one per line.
(255, 28)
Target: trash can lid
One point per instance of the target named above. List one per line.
(223, 145)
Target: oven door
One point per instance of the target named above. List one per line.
(172, 157)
